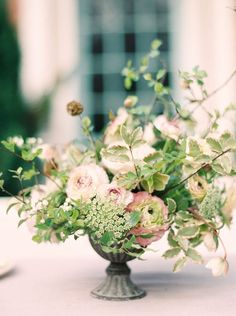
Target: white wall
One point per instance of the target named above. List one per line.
(204, 34)
(49, 40)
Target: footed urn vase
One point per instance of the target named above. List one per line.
(117, 286)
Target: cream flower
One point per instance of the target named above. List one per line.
(117, 194)
(167, 128)
(139, 153)
(198, 187)
(85, 180)
(112, 132)
(218, 266)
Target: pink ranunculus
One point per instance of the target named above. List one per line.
(85, 180)
(154, 214)
(117, 194)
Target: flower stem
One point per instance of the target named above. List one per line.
(135, 167)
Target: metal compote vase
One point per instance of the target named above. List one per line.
(117, 286)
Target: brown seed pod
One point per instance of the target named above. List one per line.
(49, 166)
(75, 108)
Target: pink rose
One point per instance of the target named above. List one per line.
(85, 181)
(170, 129)
(117, 194)
(154, 214)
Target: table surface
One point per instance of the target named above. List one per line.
(57, 280)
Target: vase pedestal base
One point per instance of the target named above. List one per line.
(118, 286)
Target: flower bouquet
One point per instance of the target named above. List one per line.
(147, 177)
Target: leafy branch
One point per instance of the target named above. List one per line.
(196, 172)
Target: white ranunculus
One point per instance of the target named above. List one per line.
(85, 180)
(139, 153)
(148, 134)
(117, 194)
(112, 132)
(218, 266)
(168, 128)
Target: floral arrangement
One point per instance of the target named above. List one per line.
(147, 177)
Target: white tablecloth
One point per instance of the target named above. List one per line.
(56, 280)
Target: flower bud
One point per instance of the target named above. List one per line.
(75, 108)
(218, 266)
(130, 101)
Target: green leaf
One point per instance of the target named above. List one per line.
(170, 253)
(127, 83)
(128, 180)
(161, 73)
(129, 243)
(185, 216)
(1, 184)
(22, 221)
(160, 181)
(147, 76)
(136, 136)
(194, 255)
(29, 174)
(189, 231)
(159, 88)
(156, 44)
(214, 144)
(171, 205)
(153, 158)
(37, 239)
(125, 134)
(114, 156)
(194, 149)
(11, 206)
(226, 164)
(218, 168)
(179, 264)
(107, 238)
(134, 218)
(171, 239)
(29, 156)
(8, 145)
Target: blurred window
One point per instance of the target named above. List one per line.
(113, 32)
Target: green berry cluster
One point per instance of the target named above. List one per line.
(106, 216)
